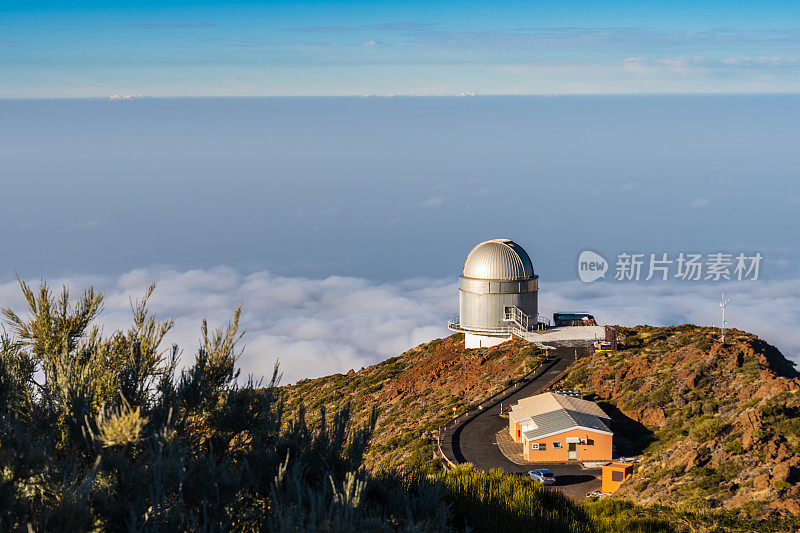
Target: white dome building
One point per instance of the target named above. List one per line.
(497, 294)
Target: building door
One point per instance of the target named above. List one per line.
(572, 450)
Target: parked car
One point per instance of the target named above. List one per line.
(543, 476)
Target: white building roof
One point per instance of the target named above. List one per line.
(549, 401)
(555, 422)
(551, 414)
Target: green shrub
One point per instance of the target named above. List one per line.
(614, 515)
(662, 395)
(503, 502)
(735, 447)
(104, 433)
(704, 344)
(706, 428)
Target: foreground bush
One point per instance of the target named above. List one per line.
(611, 515)
(104, 433)
(503, 502)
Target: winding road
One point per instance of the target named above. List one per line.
(474, 439)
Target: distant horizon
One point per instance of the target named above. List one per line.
(134, 97)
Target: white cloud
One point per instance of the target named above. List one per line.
(635, 64)
(686, 66)
(681, 65)
(434, 201)
(124, 97)
(766, 308)
(91, 224)
(314, 326)
(322, 326)
(701, 202)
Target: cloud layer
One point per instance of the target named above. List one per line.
(766, 308)
(322, 326)
(314, 327)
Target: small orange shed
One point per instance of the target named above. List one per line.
(614, 474)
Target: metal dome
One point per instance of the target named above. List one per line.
(498, 259)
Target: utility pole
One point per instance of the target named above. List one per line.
(723, 303)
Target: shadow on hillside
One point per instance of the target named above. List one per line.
(630, 436)
(776, 361)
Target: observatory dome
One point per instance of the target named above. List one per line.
(498, 259)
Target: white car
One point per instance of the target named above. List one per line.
(543, 476)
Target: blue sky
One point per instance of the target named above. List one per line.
(54, 49)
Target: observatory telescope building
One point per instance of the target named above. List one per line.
(497, 294)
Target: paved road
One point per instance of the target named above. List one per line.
(475, 442)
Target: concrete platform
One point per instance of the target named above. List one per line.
(566, 336)
(512, 450)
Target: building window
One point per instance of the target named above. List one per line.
(557, 444)
(542, 446)
(617, 475)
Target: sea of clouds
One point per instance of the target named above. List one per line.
(316, 327)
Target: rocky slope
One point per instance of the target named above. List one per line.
(415, 393)
(716, 425)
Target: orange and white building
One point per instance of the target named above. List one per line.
(555, 427)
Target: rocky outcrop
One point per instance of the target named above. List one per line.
(717, 423)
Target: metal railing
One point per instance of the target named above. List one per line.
(518, 322)
(515, 316)
(454, 324)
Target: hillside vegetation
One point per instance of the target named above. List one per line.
(680, 400)
(415, 393)
(104, 433)
(717, 426)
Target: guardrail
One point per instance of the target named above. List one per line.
(439, 453)
(455, 325)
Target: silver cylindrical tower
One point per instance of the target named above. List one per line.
(497, 279)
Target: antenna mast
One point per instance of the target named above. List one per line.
(723, 303)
